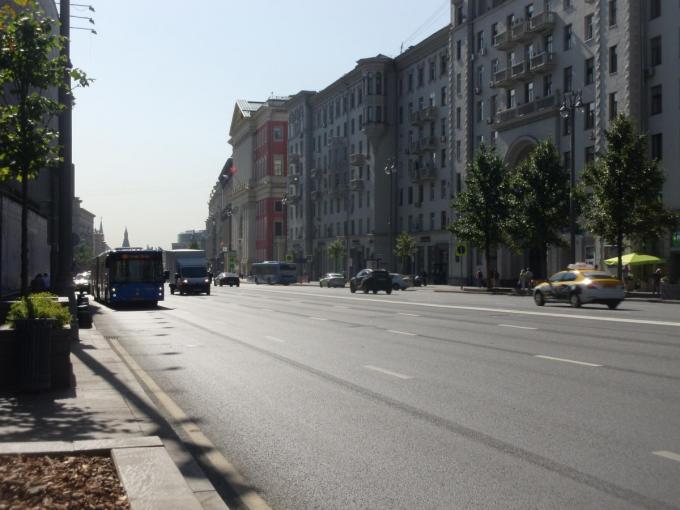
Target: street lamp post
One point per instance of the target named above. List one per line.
(390, 171)
(570, 104)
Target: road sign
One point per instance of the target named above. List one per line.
(460, 250)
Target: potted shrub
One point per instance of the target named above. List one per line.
(43, 360)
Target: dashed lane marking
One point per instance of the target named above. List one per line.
(410, 314)
(401, 332)
(388, 372)
(668, 455)
(516, 327)
(551, 358)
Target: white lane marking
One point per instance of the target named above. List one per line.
(567, 360)
(668, 455)
(318, 318)
(273, 338)
(388, 372)
(409, 314)
(401, 332)
(513, 326)
(497, 310)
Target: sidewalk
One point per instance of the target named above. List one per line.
(107, 410)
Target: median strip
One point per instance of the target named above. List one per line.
(566, 360)
(388, 372)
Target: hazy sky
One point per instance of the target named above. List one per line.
(150, 135)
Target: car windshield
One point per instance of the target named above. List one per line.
(334, 275)
(599, 275)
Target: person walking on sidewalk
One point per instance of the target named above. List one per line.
(656, 277)
(521, 281)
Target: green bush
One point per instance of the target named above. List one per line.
(41, 305)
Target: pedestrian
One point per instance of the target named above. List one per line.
(522, 282)
(625, 272)
(38, 284)
(656, 277)
(424, 275)
(529, 277)
(480, 278)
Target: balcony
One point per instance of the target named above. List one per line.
(503, 41)
(526, 113)
(356, 184)
(427, 143)
(358, 159)
(520, 70)
(293, 159)
(414, 117)
(427, 114)
(314, 173)
(520, 32)
(337, 141)
(423, 174)
(316, 195)
(542, 23)
(502, 78)
(542, 63)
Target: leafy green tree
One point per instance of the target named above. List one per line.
(622, 191)
(482, 207)
(193, 245)
(538, 203)
(82, 257)
(31, 69)
(404, 247)
(336, 250)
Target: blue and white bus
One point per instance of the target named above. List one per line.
(273, 272)
(128, 275)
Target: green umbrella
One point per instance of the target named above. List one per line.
(635, 259)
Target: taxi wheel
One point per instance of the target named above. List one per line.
(539, 299)
(320, 285)
(575, 300)
(613, 304)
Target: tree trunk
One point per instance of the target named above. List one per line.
(489, 274)
(24, 232)
(619, 249)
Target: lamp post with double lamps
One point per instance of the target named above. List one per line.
(391, 171)
(571, 102)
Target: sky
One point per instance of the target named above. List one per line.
(150, 135)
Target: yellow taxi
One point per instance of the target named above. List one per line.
(580, 284)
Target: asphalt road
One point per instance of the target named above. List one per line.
(421, 399)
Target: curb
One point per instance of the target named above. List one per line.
(147, 473)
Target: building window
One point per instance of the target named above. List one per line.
(480, 111)
(278, 164)
(655, 47)
(590, 155)
(588, 27)
(409, 81)
(566, 126)
(480, 41)
(442, 161)
(278, 228)
(656, 100)
(529, 92)
(547, 85)
(590, 71)
(443, 96)
(459, 86)
(443, 127)
(442, 189)
(432, 70)
(567, 85)
(568, 38)
(278, 134)
(442, 219)
(421, 76)
(443, 64)
(480, 77)
(613, 60)
(654, 9)
(657, 146)
(612, 13)
(567, 159)
(458, 150)
(589, 118)
(510, 99)
(410, 195)
(458, 117)
(459, 49)
(613, 105)
(278, 206)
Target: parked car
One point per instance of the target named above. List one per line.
(581, 284)
(332, 280)
(82, 282)
(371, 280)
(401, 282)
(230, 279)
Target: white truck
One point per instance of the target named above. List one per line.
(187, 271)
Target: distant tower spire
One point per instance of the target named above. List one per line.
(126, 241)
(101, 227)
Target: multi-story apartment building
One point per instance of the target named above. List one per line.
(253, 196)
(516, 61)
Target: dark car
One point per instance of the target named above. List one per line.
(230, 279)
(371, 280)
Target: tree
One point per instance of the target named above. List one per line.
(482, 207)
(31, 67)
(82, 257)
(193, 245)
(622, 191)
(404, 246)
(538, 203)
(336, 250)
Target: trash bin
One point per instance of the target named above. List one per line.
(34, 337)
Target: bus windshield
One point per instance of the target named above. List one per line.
(136, 270)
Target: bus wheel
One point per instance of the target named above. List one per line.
(207, 293)
(257, 282)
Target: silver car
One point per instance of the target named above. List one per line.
(401, 282)
(332, 280)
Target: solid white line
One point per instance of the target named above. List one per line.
(388, 372)
(496, 310)
(274, 339)
(401, 332)
(318, 318)
(567, 360)
(668, 455)
(409, 314)
(513, 326)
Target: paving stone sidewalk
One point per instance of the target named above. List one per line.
(105, 407)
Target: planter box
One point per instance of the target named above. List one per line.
(60, 358)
